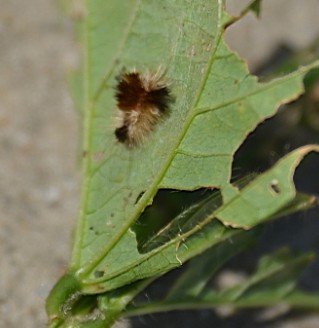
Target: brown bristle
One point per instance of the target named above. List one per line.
(129, 91)
(142, 99)
(160, 98)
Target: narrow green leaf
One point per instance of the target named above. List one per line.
(303, 299)
(274, 281)
(275, 277)
(201, 269)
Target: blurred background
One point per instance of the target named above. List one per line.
(39, 139)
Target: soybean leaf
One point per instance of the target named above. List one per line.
(218, 103)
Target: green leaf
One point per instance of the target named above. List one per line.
(208, 122)
(254, 204)
(218, 103)
(275, 280)
(266, 194)
(201, 269)
(222, 105)
(201, 232)
(275, 277)
(303, 299)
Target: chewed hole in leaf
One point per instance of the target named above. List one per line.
(139, 197)
(275, 187)
(309, 166)
(171, 214)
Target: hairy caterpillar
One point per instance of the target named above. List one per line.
(142, 100)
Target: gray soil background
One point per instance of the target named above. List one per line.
(39, 138)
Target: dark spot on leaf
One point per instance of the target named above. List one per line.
(98, 273)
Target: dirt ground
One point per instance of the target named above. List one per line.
(39, 138)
